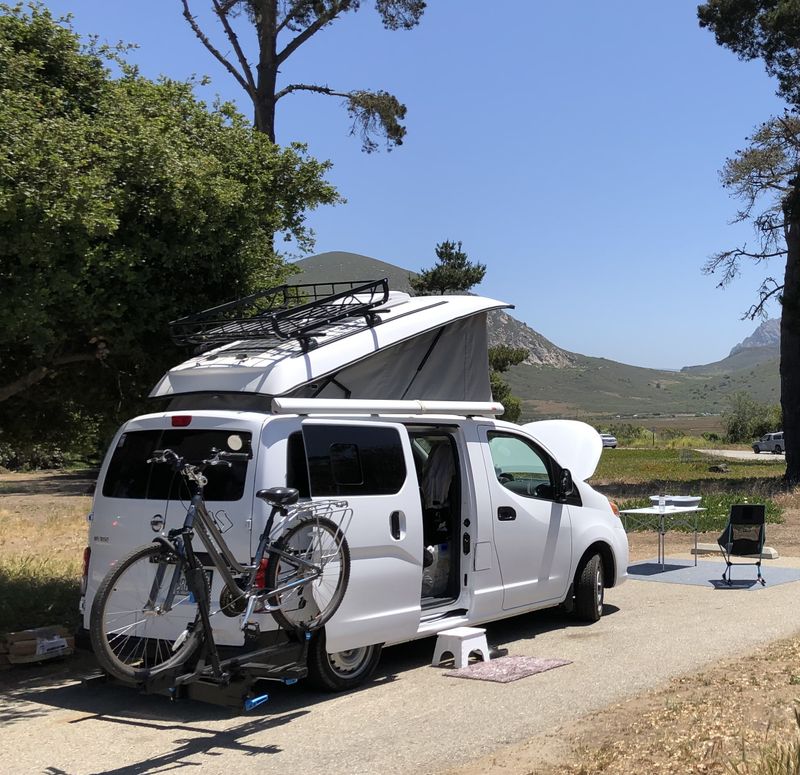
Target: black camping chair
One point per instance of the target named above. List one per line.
(743, 536)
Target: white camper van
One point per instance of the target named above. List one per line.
(383, 400)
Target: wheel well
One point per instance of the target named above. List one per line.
(606, 557)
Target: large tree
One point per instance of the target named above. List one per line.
(453, 272)
(124, 203)
(766, 177)
(281, 27)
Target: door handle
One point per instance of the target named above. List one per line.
(506, 514)
(397, 525)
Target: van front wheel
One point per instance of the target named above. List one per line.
(589, 590)
(342, 670)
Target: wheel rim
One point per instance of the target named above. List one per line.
(598, 581)
(350, 663)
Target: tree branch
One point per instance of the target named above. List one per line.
(242, 80)
(40, 372)
(222, 13)
(768, 289)
(309, 87)
(324, 18)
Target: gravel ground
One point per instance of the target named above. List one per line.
(412, 717)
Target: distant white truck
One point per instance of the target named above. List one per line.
(457, 518)
(770, 442)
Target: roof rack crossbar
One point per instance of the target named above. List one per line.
(281, 313)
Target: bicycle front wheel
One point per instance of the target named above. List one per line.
(135, 633)
(309, 568)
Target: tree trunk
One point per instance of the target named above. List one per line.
(790, 343)
(267, 71)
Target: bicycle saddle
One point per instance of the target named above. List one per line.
(279, 496)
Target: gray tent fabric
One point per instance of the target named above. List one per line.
(448, 364)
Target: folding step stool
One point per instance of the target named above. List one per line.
(461, 642)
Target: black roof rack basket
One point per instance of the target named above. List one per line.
(281, 313)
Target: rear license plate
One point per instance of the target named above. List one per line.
(182, 589)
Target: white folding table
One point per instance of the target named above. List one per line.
(670, 517)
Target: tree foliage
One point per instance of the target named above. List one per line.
(760, 29)
(746, 419)
(765, 176)
(501, 358)
(124, 203)
(281, 27)
(452, 273)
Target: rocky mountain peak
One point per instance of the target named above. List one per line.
(768, 334)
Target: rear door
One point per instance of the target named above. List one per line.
(370, 465)
(136, 500)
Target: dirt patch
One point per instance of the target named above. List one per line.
(704, 723)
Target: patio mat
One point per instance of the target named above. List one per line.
(709, 574)
(506, 669)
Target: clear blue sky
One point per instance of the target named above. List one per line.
(574, 148)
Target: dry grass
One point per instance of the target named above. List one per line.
(42, 536)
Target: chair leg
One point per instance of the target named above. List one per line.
(760, 577)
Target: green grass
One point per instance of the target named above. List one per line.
(667, 466)
(717, 508)
(630, 476)
(37, 592)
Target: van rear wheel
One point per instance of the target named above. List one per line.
(590, 590)
(342, 670)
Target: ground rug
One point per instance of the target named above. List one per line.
(506, 669)
(709, 574)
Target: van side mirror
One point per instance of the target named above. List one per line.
(565, 485)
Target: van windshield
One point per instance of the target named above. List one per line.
(129, 474)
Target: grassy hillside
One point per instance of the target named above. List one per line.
(598, 387)
(336, 265)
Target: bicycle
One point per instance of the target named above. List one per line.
(160, 589)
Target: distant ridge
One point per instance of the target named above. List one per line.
(557, 383)
(503, 328)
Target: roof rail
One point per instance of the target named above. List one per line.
(281, 313)
(380, 406)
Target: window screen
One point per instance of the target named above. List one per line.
(129, 474)
(354, 460)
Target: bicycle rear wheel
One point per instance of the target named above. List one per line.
(132, 635)
(311, 603)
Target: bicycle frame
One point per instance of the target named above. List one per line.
(199, 521)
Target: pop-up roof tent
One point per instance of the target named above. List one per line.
(334, 340)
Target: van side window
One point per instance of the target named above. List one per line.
(519, 467)
(354, 460)
(296, 467)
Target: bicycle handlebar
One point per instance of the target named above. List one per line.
(219, 457)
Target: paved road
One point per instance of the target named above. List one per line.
(412, 718)
(743, 454)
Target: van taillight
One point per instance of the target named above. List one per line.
(261, 574)
(614, 508)
(87, 554)
(181, 420)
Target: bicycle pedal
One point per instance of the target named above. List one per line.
(251, 630)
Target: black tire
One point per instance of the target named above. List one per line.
(131, 640)
(343, 670)
(589, 590)
(778, 449)
(308, 606)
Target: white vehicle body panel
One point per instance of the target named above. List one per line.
(512, 542)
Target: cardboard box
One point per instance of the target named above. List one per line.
(36, 645)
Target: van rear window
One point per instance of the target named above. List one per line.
(129, 474)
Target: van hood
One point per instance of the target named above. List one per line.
(575, 445)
